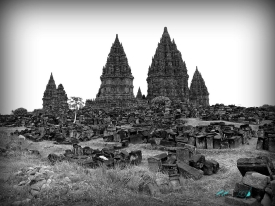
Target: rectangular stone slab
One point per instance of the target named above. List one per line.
(255, 180)
(209, 142)
(186, 170)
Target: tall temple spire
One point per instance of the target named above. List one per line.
(167, 75)
(117, 80)
(198, 91)
(139, 94)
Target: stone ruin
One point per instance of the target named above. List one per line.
(167, 76)
(182, 161)
(257, 186)
(266, 137)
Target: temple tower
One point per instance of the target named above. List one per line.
(139, 94)
(116, 89)
(198, 91)
(167, 75)
(54, 97)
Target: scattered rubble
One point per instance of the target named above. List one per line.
(182, 161)
(93, 158)
(258, 184)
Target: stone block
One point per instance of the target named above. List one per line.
(200, 142)
(155, 163)
(224, 144)
(241, 201)
(209, 142)
(271, 143)
(255, 180)
(253, 164)
(265, 143)
(197, 161)
(234, 142)
(207, 168)
(217, 142)
(183, 155)
(187, 171)
(136, 139)
(216, 166)
(191, 141)
(260, 143)
(266, 201)
(170, 169)
(167, 143)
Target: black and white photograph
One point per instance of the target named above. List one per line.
(139, 103)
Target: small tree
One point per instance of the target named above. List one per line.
(20, 111)
(75, 103)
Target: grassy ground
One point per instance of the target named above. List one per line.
(115, 186)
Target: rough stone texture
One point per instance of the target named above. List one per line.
(198, 91)
(116, 89)
(266, 201)
(167, 75)
(188, 171)
(241, 202)
(255, 180)
(54, 97)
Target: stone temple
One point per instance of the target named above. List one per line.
(116, 89)
(54, 97)
(198, 91)
(167, 75)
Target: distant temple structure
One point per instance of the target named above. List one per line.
(54, 97)
(167, 75)
(116, 89)
(198, 91)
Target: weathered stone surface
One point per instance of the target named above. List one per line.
(255, 180)
(241, 202)
(253, 164)
(188, 171)
(266, 201)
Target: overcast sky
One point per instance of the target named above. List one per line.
(231, 42)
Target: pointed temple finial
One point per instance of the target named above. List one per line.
(165, 30)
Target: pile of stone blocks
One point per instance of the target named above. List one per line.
(266, 138)
(257, 186)
(183, 161)
(93, 158)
